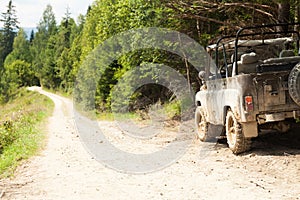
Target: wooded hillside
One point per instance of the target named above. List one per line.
(52, 56)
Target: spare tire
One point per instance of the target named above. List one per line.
(294, 84)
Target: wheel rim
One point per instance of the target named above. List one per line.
(201, 127)
(231, 131)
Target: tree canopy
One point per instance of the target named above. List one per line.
(53, 54)
(8, 33)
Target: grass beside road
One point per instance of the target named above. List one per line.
(21, 128)
(167, 111)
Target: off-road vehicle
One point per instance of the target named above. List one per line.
(256, 85)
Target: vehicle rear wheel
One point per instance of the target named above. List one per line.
(201, 124)
(294, 84)
(235, 136)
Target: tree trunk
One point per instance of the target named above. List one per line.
(198, 29)
(297, 14)
(186, 66)
(283, 14)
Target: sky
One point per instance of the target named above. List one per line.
(29, 12)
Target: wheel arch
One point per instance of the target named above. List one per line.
(225, 110)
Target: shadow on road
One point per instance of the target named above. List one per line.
(275, 143)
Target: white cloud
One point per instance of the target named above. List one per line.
(29, 12)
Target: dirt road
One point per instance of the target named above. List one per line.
(64, 170)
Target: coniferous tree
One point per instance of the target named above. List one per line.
(64, 40)
(7, 35)
(31, 37)
(1, 53)
(21, 49)
(10, 26)
(20, 60)
(42, 63)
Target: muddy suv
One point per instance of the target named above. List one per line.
(256, 85)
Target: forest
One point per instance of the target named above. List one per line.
(52, 56)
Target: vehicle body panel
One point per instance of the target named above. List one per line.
(265, 85)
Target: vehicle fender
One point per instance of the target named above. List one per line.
(200, 99)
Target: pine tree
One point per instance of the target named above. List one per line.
(31, 37)
(21, 49)
(65, 37)
(47, 25)
(40, 53)
(10, 27)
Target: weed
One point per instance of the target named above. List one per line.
(20, 131)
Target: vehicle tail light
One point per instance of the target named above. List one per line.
(249, 103)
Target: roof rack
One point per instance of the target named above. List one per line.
(282, 25)
(235, 41)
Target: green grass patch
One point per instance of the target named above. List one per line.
(20, 128)
(171, 111)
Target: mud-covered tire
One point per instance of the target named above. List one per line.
(294, 84)
(235, 136)
(201, 124)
